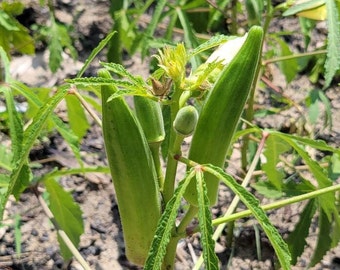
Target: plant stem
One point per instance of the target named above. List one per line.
(171, 169)
(189, 215)
(175, 142)
(234, 17)
(170, 255)
(293, 56)
(278, 204)
(73, 91)
(61, 233)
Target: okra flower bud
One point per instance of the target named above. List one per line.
(186, 120)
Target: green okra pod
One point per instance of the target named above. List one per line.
(221, 112)
(149, 114)
(133, 174)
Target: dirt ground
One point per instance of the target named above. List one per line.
(102, 244)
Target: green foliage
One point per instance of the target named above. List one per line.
(332, 63)
(274, 148)
(13, 35)
(67, 214)
(296, 240)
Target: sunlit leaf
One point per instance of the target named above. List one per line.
(76, 116)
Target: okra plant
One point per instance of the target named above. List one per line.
(149, 197)
(143, 141)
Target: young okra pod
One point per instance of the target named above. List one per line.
(221, 112)
(186, 120)
(149, 114)
(133, 174)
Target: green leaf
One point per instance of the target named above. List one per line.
(335, 233)
(67, 214)
(69, 136)
(123, 72)
(334, 168)
(4, 180)
(313, 102)
(22, 41)
(328, 112)
(267, 189)
(62, 128)
(294, 188)
(206, 229)
(55, 48)
(211, 43)
(14, 123)
(332, 63)
(327, 201)
(25, 176)
(324, 242)
(15, 8)
(8, 22)
(288, 67)
(94, 53)
(5, 62)
(313, 106)
(76, 116)
(6, 157)
(280, 246)
(274, 148)
(30, 135)
(317, 144)
(297, 238)
(165, 226)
